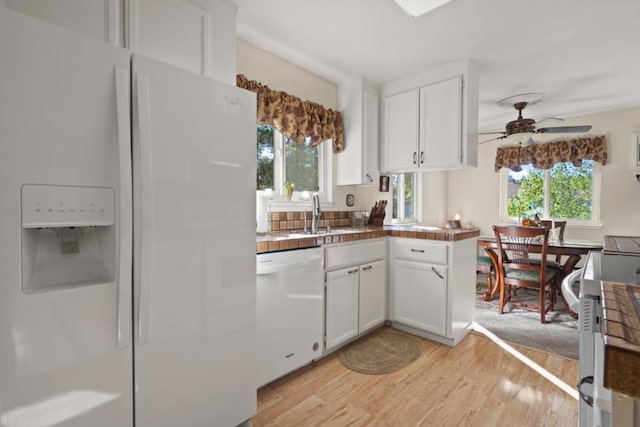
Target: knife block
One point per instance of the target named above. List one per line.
(376, 219)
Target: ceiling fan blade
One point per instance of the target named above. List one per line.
(565, 129)
(558, 119)
(492, 133)
(492, 139)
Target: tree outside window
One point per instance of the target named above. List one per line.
(280, 160)
(564, 191)
(403, 188)
(266, 155)
(301, 165)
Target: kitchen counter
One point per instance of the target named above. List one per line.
(621, 330)
(286, 240)
(626, 245)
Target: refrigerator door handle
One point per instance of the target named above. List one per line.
(125, 209)
(146, 213)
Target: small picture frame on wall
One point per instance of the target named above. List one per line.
(384, 183)
(350, 200)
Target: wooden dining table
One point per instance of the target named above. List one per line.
(573, 249)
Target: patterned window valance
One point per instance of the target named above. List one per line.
(545, 155)
(295, 118)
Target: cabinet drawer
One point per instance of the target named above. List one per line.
(417, 250)
(354, 254)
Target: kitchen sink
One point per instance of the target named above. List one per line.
(427, 227)
(324, 233)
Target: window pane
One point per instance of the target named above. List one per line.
(395, 183)
(572, 190)
(266, 153)
(403, 193)
(301, 165)
(525, 192)
(409, 199)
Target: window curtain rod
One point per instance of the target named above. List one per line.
(295, 118)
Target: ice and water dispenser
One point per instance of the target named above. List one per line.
(68, 236)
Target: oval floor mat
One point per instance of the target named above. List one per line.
(380, 353)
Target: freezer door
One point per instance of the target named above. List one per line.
(194, 248)
(65, 344)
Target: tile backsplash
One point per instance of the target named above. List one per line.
(294, 220)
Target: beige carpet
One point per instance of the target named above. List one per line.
(521, 326)
(381, 352)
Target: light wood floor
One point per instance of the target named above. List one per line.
(477, 383)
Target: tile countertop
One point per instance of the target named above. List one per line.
(286, 240)
(624, 245)
(621, 328)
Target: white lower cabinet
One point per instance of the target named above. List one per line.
(356, 294)
(342, 305)
(420, 295)
(371, 299)
(432, 287)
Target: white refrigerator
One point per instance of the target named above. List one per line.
(127, 237)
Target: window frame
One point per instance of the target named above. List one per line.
(417, 200)
(300, 198)
(587, 223)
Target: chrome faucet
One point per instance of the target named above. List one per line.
(315, 212)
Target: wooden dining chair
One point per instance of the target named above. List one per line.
(485, 265)
(547, 223)
(517, 269)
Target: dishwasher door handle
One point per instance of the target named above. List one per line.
(270, 268)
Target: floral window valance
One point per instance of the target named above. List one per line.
(545, 155)
(295, 118)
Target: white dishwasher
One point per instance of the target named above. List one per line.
(290, 304)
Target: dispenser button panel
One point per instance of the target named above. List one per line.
(66, 206)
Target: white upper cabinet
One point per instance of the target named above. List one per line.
(441, 124)
(101, 19)
(359, 101)
(401, 124)
(430, 121)
(198, 35)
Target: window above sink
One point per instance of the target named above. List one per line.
(281, 161)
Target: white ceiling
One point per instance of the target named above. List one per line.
(584, 55)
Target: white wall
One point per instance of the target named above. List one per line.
(475, 193)
(435, 198)
(278, 74)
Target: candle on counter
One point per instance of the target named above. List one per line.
(457, 217)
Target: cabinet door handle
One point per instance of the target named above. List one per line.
(368, 267)
(417, 250)
(437, 272)
(415, 157)
(421, 157)
(355, 270)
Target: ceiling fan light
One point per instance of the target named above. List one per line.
(519, 137)
(416, 8)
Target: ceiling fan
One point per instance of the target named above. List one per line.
(526, 126)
